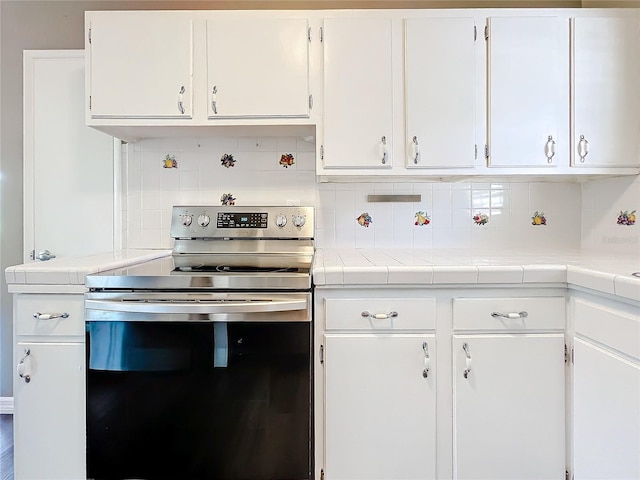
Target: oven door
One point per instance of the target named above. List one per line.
(199, 386)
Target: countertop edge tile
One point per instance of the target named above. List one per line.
(627, 287)
(500, 274)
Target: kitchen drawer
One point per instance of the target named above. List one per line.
(26, 305)
(369, 314)
(612, 327)
(542, 313)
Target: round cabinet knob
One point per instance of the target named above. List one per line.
(186, 220)
(203, 220)
(299, 220)
(281, 220)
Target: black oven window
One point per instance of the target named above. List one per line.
(181, 401)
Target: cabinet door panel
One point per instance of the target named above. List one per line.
(379, 409)
(606, 97)
(258, 67)
(510, 410)
(606, 414)
(139, 64)
(358, 91)
(49, 429)
(524, 91)
(440, 91)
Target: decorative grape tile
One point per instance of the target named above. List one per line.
(170, 161)
(626, 218)
(422, 218)
(227, 160)
(538, 218)
(227, 199)
(286, 160)
(480, 219)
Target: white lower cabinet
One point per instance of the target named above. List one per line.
(509, 388)
(606, 391)
(49, 387)
(440, 387)
(380, 406)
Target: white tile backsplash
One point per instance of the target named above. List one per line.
(258, 178)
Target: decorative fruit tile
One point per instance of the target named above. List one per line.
(170, 161)
(481, 219)
(227, 199)
(286, 160)
(364, 219)
(227, 160)
(626, 218)
(538, 218)
(422, 218)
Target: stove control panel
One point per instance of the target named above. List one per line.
(242, 222)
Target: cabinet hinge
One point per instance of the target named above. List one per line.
(475, 33)
(309, 33)
(321, 152)
(310, 102)
(566, 354)
(486, 32)
(573, 356)
(486, 151)
(89, 102)
(32, 255)
(322, 474)
(89, 35)
(321, 35)
(321, 354)
(567, 475)
(475, 153)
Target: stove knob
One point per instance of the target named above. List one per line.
(281, 220)
(203, 220)
(186, 220)
(299, 220)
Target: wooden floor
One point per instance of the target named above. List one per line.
(6, 447)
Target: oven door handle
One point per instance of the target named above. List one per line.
(199, 307)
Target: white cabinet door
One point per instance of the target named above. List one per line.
(68, 167)
(606, 436)
(380, 410)
(140, 64)
(509, 411)
(606, 97)
(440, 82)
(258, 67)
(358, 93)
(525, 112)
(49, 420)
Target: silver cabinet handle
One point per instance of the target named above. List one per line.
(180, 100)
(49, 316)
(427, 360)
(383, 150)
(510, 315)
(379, 316)
(416, 150)
(214, 100)
(550, 149)
(22, 366)
(45, 255)
(583, 148)
(467, 370)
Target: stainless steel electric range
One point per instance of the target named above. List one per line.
(199, 365)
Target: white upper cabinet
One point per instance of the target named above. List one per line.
(606, 91)
(140, 65)
(527, 119)
(440, 91)
(258, 67)
(358, 93)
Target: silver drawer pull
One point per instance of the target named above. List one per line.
(427, 360)
(510, 315)
(49, 316)
(467, 354)
(379, 316)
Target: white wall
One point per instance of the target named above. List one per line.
(258, 178)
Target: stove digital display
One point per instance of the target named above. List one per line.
(242, 220)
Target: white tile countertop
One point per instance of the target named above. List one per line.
(604, 273)
(73, 270)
